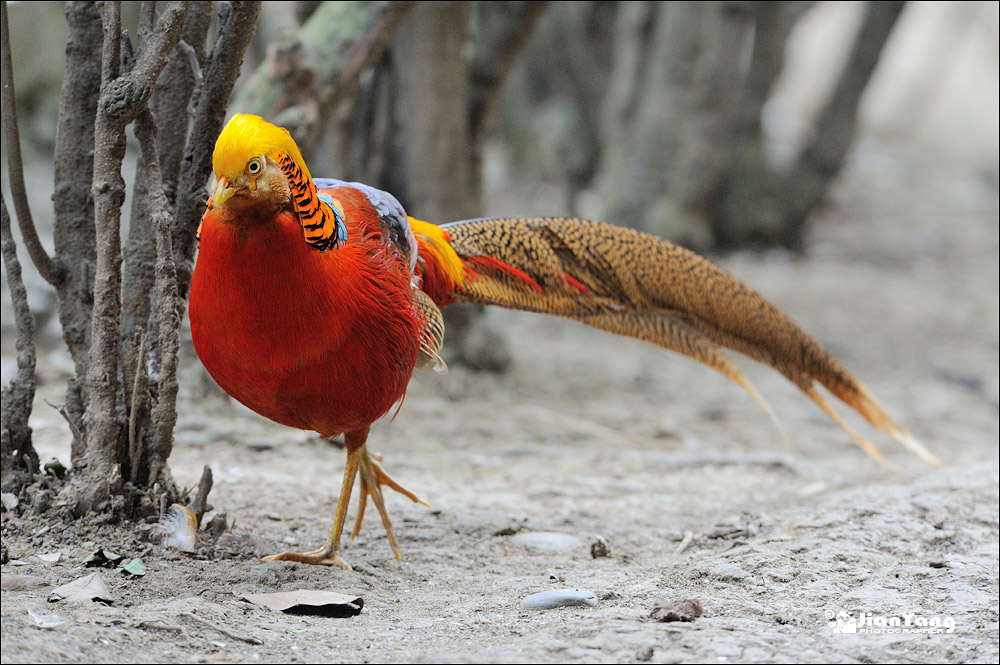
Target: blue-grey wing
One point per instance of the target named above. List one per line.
(391, 216)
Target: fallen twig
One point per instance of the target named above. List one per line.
(224, 631)
(200, 503)
(683, 545)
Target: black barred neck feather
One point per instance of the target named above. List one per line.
(322, 223)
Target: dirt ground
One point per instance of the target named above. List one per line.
(591, 436)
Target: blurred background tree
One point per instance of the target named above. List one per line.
(718, 125)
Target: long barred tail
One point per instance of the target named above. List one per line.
(634, 284)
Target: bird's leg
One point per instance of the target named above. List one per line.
(330, 554)
(373, 476)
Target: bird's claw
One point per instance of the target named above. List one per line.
(317, 558)
(373, 477)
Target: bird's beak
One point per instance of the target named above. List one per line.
(221, 192)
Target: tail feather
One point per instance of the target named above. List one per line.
(634, 284)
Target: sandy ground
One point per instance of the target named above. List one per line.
(591, 436)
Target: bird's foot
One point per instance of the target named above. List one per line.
(373, 477)
(317, 558)
(372, 469)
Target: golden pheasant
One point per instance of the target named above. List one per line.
(312, 301)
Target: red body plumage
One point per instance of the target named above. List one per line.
(324, 341)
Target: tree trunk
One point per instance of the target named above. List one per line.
(74, 207)
(131, 382)
(748, 210)
(123, 98)
(416, 130)
(412, 137)
(20, 461)
(141, 352)
(431, 169)
(822, 159)
(663, 165)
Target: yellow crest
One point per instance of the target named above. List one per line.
(247, 136)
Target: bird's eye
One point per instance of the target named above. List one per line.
(255, 166)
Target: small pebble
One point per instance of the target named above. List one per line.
(9, 501)
(599, 548)
(547, 600)
(644, 653)
(679, 610)
(549, 542)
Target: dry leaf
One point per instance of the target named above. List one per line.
(135, 567)
(308, 601)
(105, 558)
(87, 588)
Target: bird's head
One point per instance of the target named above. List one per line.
(248, 162)
(260, 171)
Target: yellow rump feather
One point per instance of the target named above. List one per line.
(438, 244)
